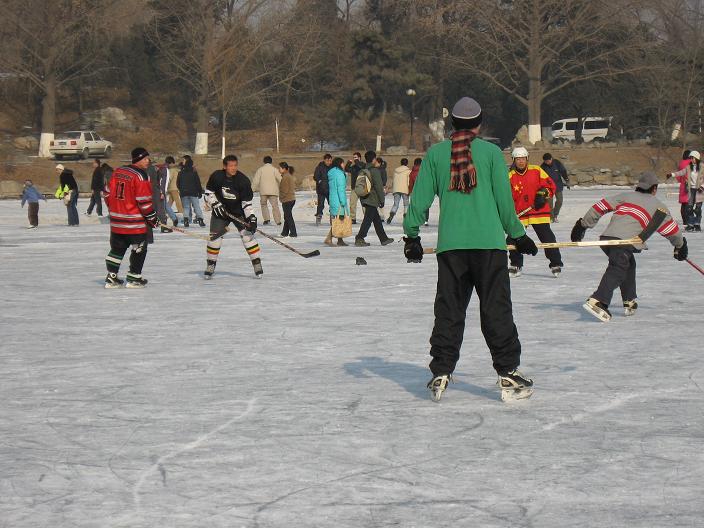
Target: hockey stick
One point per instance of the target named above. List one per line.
(244, 224)
(700, 270)
(184, 232)
(644, 235)
(526, 210)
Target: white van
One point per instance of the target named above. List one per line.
(592, 128)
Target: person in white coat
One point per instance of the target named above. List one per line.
(400, 189)
(267, 180)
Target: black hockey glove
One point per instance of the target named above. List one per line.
(152, 219)
(413, 250)
(541, 198)
(682, 251)
(526, 245)
(218, 210)
(251, 223)
(578, 231)
(340, 217)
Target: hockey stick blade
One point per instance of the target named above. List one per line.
(244, 224)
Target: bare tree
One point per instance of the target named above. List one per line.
(52, 44)
(534, 48)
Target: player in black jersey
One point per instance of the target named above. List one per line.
(229, 194)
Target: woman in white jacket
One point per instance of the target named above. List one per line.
(694, 183)
(400, 189)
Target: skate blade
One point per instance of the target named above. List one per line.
(112, 286)
(207, 277)
(628, 312)
(133, 285)
(509, 395)
(436, 395)
(599, 314)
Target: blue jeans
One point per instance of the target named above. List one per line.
(193, 201)
(397, 202)
(695, 209)
(170, 212)
(72, 210)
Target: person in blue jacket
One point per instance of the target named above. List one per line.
(31, 195)
(337, 199)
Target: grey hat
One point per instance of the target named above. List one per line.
(466, 108)
(647, 180)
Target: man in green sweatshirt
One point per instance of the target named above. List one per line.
(470, 178)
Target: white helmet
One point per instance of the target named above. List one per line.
(695, 154)
(519, 152)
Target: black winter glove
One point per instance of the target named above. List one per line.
(578, 231)
(152, 219)
(413, 249)
(218, 210)
(682, 251)
(541, 198)
(526, 245)
(341, 217)
(251, 223)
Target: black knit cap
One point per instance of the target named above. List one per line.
(139, 154)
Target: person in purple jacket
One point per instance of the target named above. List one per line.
(31, 195)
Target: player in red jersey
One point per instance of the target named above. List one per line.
(129, 198)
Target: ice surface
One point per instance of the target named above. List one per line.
(300, 401)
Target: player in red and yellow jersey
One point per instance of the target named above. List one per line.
(532, 189)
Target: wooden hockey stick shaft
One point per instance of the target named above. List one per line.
(700, 270)
(185, 232)
(244, 224)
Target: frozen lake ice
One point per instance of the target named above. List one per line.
(299, 400)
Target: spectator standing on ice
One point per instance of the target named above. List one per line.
(287, 195)
(353, 167)
(129, 199)
(633, 211)
(165, 173)
(321, 185)
(371, 204)
(400, 189)
(97, 186)
(558, 173)
(267, 180)
(68, 186)
(31, 196)
(172, 194)
(229, 194)
(691, 176)
(191, 191)
(337, 201)
(532, 190)
(469, 177)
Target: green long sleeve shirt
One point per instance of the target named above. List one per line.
(478, 220)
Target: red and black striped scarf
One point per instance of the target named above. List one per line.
(463, 174)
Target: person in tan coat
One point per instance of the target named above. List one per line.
(400, 188)
(287, 194)
(172, 194)
(267, 180)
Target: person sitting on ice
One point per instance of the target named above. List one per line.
(633, 211)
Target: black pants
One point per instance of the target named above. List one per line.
(620, 273)
(118, 247)
(289, 228)
(321, 204)
(95, 201)
(371, 216)
(544, 234)
(33, 213)
(459, 273)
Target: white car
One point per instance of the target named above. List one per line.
(81, 143)
(593, 128)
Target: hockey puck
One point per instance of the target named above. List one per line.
(361, 262)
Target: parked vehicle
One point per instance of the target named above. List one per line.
(81, 143)
(593, 128)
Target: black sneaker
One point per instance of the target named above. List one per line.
(266, 222)
(697, 228)
(360, 242)
(185, 222)
(200, 222)
(112, 281)
(135, 281)
(598, 309)
(387, 241)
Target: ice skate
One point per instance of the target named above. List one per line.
(112, 281)
(258, 270)
(515, 386)
(135, 281)
(514, 271)
(209, 270)
(630, 307)
(597, 309)
(186, 222)
(437, 386)
(556, 270)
